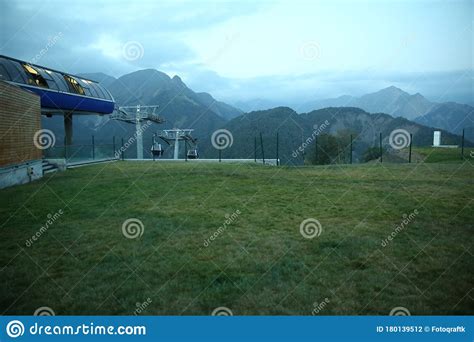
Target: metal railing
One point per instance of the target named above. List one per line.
(82, 152)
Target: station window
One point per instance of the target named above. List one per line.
(106, 93)
(16, 72)
(91, 89)
(99, 92)
(47, 76)
(60, 81)
(35, 77)
(4, 74)
(74, 85)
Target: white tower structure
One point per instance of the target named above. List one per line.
(137, 115)
(174, 136)
(436, 138)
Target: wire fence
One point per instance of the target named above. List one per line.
(399, 146)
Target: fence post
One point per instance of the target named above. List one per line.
(351, 149)
(153, 147)
(255, 149)
(302, 144)
(462, 144)
(185, 151)
(277, 151)
(261, 144)
(113, 145)
(220, 154)
(316, 150)
(93, 148)
(380, 144)
(123, 151)
(411, 142)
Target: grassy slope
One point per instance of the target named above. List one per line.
(444, 155)
(261, 264)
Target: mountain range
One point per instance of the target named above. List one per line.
(450, 116)
(181, 107)
(391, 100)
(294, 129)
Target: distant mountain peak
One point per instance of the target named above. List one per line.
(392, 90)
(154, 72)
(391, 100)
(177, 80)
(151, 86)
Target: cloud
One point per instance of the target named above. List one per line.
(238, 50)
(94, 33)
(294, 89)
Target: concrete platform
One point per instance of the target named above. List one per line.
(272, 162)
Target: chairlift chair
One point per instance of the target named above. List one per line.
(193, 154)
(157, 150)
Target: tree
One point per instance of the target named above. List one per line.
(329, 150)
(371, 153)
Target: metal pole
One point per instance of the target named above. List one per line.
(316, 150)
(138, 128)
(351, 149)
(255, 149)
(93, 148)
(113, 144)
(185, 150)
(220, 151)
(123, 151)
(153, 146)
(411, 142)
(176, 145)
(261, 144)
(462, 144)
(68, 128)
(381, 152)
(302, 144)
(277, 158)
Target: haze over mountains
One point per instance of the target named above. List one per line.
(391, 100)
(181, 107)
(450, 116)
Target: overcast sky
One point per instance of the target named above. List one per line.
(239, 50)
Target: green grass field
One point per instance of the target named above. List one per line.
(259, 263)
(444, 155)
